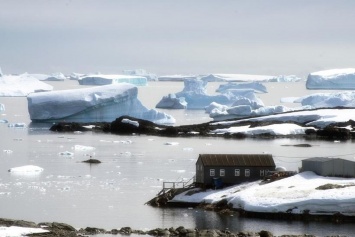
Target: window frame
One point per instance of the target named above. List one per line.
(212, 172)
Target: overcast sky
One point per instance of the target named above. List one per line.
(270, 37)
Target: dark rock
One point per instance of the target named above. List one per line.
(126, 230)
(265, 233)
(21, 223)
(92, 161)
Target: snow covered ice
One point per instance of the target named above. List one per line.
(27, 169)
(285, 195)
(339, 79)
(141, 72)
(21, 85)
(101, 79)
(95, 104)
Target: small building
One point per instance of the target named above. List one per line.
(230, 169)
(335, 167)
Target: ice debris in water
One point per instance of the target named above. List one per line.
(66, 153)
(83, 148)
(171, 143)
(8, 151)
(17, 125)
(26, 169)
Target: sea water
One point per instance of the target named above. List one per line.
(113, 194)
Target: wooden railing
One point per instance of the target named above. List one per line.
(169, 185)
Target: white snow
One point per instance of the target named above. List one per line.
(13, 231)
(101, 79)
(134, 123)
(332, 79)
(21, 85)
(95, 104)
(313, 118)
(296, 194)
(26, 169)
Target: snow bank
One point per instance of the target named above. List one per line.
(95, 104)
(100, 79)
(296, 194)
(317, 118)
(19, 231)
(339, 79)
(21, 85)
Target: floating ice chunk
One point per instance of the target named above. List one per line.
(66, 154)
(8, 151)
(100, 79)
(2, 107)
(171, 143)
(17, 125)
(256, 86)
(83, 148)
(188, 149)
(3, 121)
(134, 123)
(26, 169)
(172, 102)
(337, 79)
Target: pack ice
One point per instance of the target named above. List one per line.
(95, 104)
(101, 79)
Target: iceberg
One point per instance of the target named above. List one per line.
(2, 107)
(329, 100)
(95, 104)
(53, 77)
(196, 97)
(338, 79)
(141, 72)
(256, 86)
(248, 78)
(21, 85)
(172, 102)
(176, 77)
(100, 79)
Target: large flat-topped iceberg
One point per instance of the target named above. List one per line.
(176, 77)
(329, 100)
(95, 104)
(248, 78)
(338, 79)
(101, 79)
(52, 77)
(21, 85)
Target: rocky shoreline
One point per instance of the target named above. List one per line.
(56, 229)
(335, 131)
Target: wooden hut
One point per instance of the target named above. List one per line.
(219, 170)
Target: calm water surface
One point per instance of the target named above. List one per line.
(112, 194)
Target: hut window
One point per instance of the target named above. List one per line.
(212, 173)
(222, 172)
(237, 172)
(247, 173)
(262, 172)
